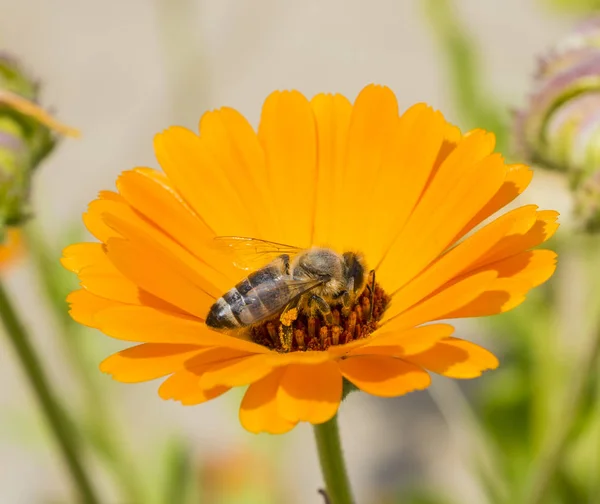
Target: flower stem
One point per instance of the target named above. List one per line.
(51, 409)
(553, 452)
(333, 467)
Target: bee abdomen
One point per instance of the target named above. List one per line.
(221, 316)
(243, 305)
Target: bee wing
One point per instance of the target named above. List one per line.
(268, 299)
(251, 253)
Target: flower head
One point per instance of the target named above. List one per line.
(560, 127)
(402, 192)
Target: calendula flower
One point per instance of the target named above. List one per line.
(402, 192)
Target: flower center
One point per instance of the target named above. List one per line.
(310, 332)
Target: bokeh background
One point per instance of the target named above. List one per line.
(121, 71)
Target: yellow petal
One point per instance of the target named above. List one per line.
(523, 238)
(84, 306)
(236, 151)
(372, 127)
(237, 372)
(156, 272)
(189, 162)
(517, 275)
(287, 133)
(456, 193)
(80, 255)
(310, 393)
(148, 324)
(517, 179)
(259, 412)
(456, 358)
(93, 217)
(147, 237)
(150, 194)
(384, 376)
(447, 300)
(183, 386)
(409, 342)
(147, 361)
(332, 114)
(407, 164)
(458, 260)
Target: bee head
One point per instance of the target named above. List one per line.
(355, 271)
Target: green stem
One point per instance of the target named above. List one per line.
(102, 431)
(54, 414)
(333, 467)
(553, 453)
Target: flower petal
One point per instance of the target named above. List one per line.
(147, 362)
(409, 342)
(140, 323)
(458, 259)
(447, 300)
(463, 184)
(407, 164)
(84, 305)
(93, 217)
(372, 126)
(518, 177)
(517, 275)
(183, 386)
(158, 273)
(310, 393)
(149, 193)
(287, 133)
(80, 255)
(147, 237)
(259, 411)
(456, 358)
(384, 376)
(189, 161)
(237, 372)
(332, 114)
(236, 151)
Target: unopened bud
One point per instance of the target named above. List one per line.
(560, 127)
(27, 135)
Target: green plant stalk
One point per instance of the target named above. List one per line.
(103, 431)
(48, 402)
(337, 484)
(553, 452)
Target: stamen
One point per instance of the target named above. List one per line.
(309, 332)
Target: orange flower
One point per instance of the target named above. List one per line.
(403, 190)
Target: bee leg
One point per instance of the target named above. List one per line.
(372, 289)
(345, 298)
(286, 329)
(318, 304)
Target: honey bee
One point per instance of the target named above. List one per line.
(307, 279)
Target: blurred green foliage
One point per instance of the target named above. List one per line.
(574, 6)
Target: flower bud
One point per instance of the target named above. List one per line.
(560, 127)
(27, 135)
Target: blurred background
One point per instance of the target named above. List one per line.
(122, 71)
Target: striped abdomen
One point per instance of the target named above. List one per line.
(262, 294)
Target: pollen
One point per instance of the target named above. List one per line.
(310, 332)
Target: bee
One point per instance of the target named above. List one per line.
(307, 279)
